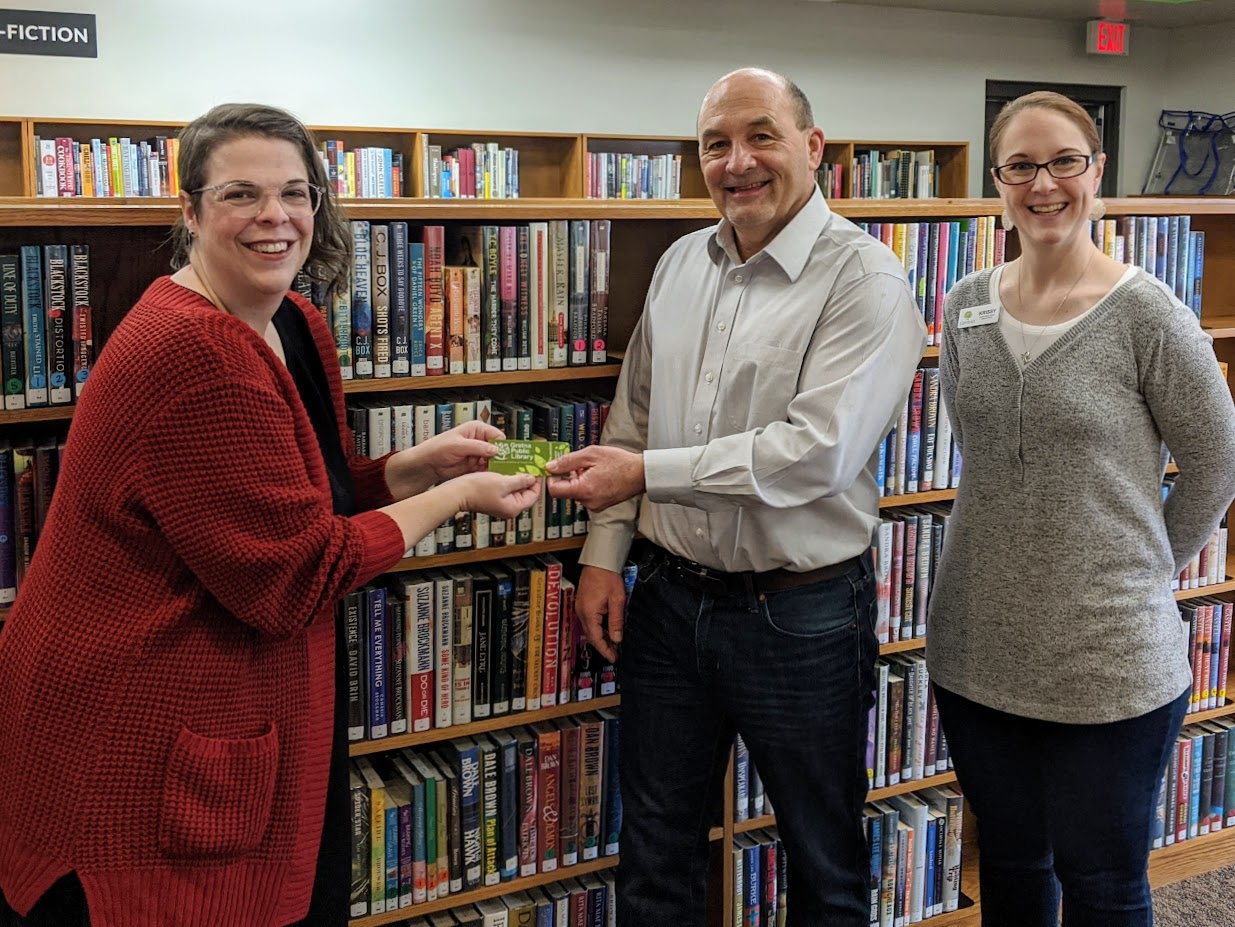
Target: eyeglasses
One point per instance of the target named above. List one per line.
(299, 199)
(1018, 172)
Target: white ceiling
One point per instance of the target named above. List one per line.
(1162, 14)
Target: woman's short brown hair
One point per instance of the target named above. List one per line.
(330, 254)
(1045, 99)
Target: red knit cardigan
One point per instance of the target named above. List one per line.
(166, 681)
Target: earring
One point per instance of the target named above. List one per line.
(1098, 209)
(1007, 221)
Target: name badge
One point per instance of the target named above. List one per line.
(978, 315)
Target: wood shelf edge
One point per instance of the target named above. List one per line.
(480, 894)
(514, 719)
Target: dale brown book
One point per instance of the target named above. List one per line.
(549, 751)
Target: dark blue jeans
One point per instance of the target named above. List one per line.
(793, 672)
(1061, 808)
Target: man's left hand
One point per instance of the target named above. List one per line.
(597, 476)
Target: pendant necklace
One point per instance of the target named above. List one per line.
(1027, 351)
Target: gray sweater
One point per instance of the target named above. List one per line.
(1052, 599)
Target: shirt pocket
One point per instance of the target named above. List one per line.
(217, 794)
(761, 379)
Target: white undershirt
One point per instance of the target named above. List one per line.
(1035, 339)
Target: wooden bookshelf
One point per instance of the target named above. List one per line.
(480, 894)
(951, 161)
(470, 380)
(483, 554)
(513, 719)
(550, 163)
(913, 643)
(685, 147)
(1191, 857)
(916, 498)
(902, 788)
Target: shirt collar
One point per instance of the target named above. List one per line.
(790, 249)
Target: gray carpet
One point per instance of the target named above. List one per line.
(1203, 901)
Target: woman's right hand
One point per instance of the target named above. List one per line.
(499, 494)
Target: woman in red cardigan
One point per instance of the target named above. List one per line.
(171, 748)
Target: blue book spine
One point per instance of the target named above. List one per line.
(741, 781)
(1197, 272)
(508, 822)
(754, 879)
(467, 769)
(1194, 790)
(393, 839)
(416, 292)
(612, 799)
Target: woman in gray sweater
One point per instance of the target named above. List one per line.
(1056, 648)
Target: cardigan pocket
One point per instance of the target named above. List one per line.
(217, 794)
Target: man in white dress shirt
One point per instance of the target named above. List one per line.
(774, 353)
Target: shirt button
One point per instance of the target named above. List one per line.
(708, 377)
(720, 327)
(698, 532)
(698, 429)
(737, 278)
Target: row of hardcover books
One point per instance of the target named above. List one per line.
(428, 823)
(368, 172)
(937, 254)
(1209, 650)
(482, 171)
(442, 648)
(380, 427)
(904, 741)
(915, 864)
(28, 475)
(611, 175)
(46, 332)
(1163, 246)
(830, 177)
(749, 798)
(919, 453)
(115, 166)
(588, 901)
(1197, 793)
(476, 299)
(895, 174)
(908, 545)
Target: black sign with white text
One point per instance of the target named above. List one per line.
(34, 32)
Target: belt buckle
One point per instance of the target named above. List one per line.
(709, 582)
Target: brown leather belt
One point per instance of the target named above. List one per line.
(718, 583)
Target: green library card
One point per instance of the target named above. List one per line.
(516, 456)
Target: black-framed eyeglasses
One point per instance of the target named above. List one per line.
(299, 199)
(1018, 172)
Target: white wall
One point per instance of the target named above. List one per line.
(632, 66)
(1201, 70)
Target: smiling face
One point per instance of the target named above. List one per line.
(249, 260)
(1048, 211)
(758, 164)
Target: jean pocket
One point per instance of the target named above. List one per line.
(217, 795)
(818, 611)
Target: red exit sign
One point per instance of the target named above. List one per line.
(1106, 38)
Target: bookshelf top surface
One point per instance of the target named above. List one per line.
(16, 211)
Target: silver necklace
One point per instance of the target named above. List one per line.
(1027, 351)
